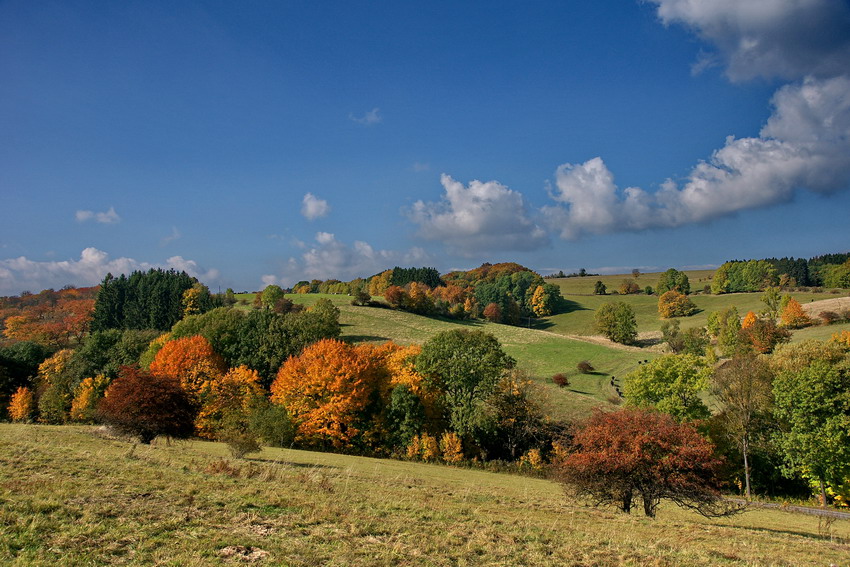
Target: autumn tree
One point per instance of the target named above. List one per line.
(749, 319)
(191, 360)
(743, 388)
(87, 395)
(196, 299)
(493, 313)
(56, 385)
(675, 304)
(146, 405)
(671, 384)
(226, 403)
(331, 391)
(763, 335)
(793, 316)
(22, 405)
(771, 298)
(618, 457)
(617, 322)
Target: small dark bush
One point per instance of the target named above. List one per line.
(585, 367)
(561, 380)
(829, 317)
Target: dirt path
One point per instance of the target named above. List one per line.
(650, 341)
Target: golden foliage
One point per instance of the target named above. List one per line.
(55, 365)
(86, 396)
(451, 447)
(793, 316)
(22, 405)
(230, 394)
(842, 338)
(749, 320)
(430, 448)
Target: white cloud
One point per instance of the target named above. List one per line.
(419, 167)
(313, 208)
(369, 118)
(790, 39)
(19, 274)
(480, 218)
(330, 258)
(107, 217)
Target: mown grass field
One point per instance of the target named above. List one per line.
(69, 498)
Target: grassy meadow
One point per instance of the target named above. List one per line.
(558, 343)
(70, 497)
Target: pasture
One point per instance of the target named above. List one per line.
(71, 497)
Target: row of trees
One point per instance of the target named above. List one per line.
(830, 270)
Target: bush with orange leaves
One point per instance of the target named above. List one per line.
(192, 361)
(332, 391)
(22, 406)
(793, 316)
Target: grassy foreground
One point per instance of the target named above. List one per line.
(69, 497)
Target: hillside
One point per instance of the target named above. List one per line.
(72, 498)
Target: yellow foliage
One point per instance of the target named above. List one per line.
(842, 338)
(451, 447)
(430, 448)
(379, 284)
(414, 449)
(55, 365)
(559, 452)
(232, 393)
(22, 404)
(532, 459)
(86, 396)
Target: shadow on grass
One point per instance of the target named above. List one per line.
(364, 339)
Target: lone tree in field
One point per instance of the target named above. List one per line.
(145, 405)
(618, 457)
(617, 322)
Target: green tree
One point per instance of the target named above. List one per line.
(271, 295)
(671, 384)
(771, 298)
(743, 388)
(617, 322)
(673, 280)
(464, 367)
(599, 288)
(813, 404)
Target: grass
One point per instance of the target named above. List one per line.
(68, 497)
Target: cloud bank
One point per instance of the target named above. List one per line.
(19, 274)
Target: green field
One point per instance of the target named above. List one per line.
(69, 497)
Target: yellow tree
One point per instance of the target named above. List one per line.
(86, 396)
(749, 320)
(793, 315)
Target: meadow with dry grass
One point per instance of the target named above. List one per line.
(69, 496)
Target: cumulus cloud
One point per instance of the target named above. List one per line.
(790, 39)
(331, 258)
(805, 144)
(479, 218)
(369, 118)
(107, 217)
(313, 208)
(20, 274)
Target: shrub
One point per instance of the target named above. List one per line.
(617, 322)
(241, 441)
(451, 447)
(585, 367)
(561, 380)
(829, 317)
(145, 405)
(675, 304)
(22, 406)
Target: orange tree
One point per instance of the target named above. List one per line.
(618, 457)
(332, 390)
(191, 360)
(227, 401)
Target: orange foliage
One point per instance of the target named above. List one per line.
(451, 447)
(749, 320)
(192, 360)
(22, 405)
(329, 388)
(232, 393)
(842, 338)
(793, 315)
(51, 323)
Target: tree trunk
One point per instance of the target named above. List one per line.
(822, 493)
(627, 502)
(746, 448)
(649, 505)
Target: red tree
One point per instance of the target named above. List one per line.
(619, 456)
(146, 405)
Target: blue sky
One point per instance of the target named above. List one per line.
(266, 142)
